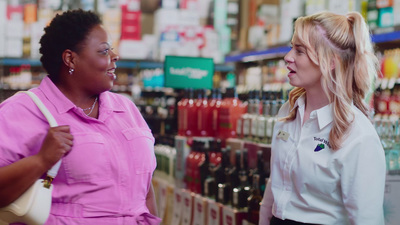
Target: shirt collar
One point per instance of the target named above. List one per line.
(63, 104)
(324, 115)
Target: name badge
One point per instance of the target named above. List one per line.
(283, 135)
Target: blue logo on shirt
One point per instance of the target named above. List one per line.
(319, 147)
(322, 143)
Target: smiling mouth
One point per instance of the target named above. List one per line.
(111, 73)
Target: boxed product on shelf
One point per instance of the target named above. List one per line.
(231, 216)
(214, 212)
(177, 206)
(187, 209)
(199, 210)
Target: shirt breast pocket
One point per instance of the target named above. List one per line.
(88, 161)
(141, 144)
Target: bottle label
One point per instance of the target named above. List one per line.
(215, 119)
(239, 127)
(206, 187)
(246, 126)
(235, 197)
(221, 194)
(185, 119)
(270, 127)
(254, 126)
(261, 128)
(224, 118)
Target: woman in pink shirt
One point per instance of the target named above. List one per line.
(106, 147)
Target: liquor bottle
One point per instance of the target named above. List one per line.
(189, 181)
(254, 116)
(181, 117)
(271, 120)
(233, 174)
(254, 201)
(230, 111)
(245, 163)
(214, 106)
(219, 172)
(204, 170)
(203, 114)
(225, 188)
(263, 118)
(262, 170)
(190, 116)
(244, 122)
(215, 156)
(241, 192)
(198, 160)
(215, 152)
(209, 182)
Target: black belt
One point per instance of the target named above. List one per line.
(277, 221)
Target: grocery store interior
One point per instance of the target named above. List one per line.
(192, 55)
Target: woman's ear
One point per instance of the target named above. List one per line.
(68, 58)
(333, 64)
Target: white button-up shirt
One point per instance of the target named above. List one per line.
(311, 183)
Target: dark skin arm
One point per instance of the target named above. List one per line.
(16, 178)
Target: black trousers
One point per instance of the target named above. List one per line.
(277, 221)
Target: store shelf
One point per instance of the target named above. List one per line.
(386, 37)
(250, 56)
(138, 64)
(279, 52)
(18, 62)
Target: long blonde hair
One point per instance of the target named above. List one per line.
(341, 46)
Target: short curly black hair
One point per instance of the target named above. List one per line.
(66, 31)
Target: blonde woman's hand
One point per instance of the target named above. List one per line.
(56, 144)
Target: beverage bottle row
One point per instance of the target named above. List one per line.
(165, 153)
(203, 115)
(203, 154)
(389, 133)
(236, 184)
(257, 123)
(158, 109)
(19, 77)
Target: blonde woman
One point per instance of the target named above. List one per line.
(327, 162)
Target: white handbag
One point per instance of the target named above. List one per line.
(33, 207)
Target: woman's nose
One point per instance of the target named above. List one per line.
(115, 56)
(288, 58)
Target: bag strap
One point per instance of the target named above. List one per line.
(52, 173)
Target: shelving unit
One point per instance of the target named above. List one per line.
(279, 52)
(127, 64)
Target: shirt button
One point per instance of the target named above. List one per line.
(287, 188)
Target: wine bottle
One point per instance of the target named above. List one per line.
(254, 200)
(241, 192)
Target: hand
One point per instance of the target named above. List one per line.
(56, 144)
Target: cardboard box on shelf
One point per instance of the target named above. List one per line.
(231, 216)
(199, 210)
(177, 206)
(214, 212)
(187, 210)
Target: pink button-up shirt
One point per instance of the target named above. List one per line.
(105, 178)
